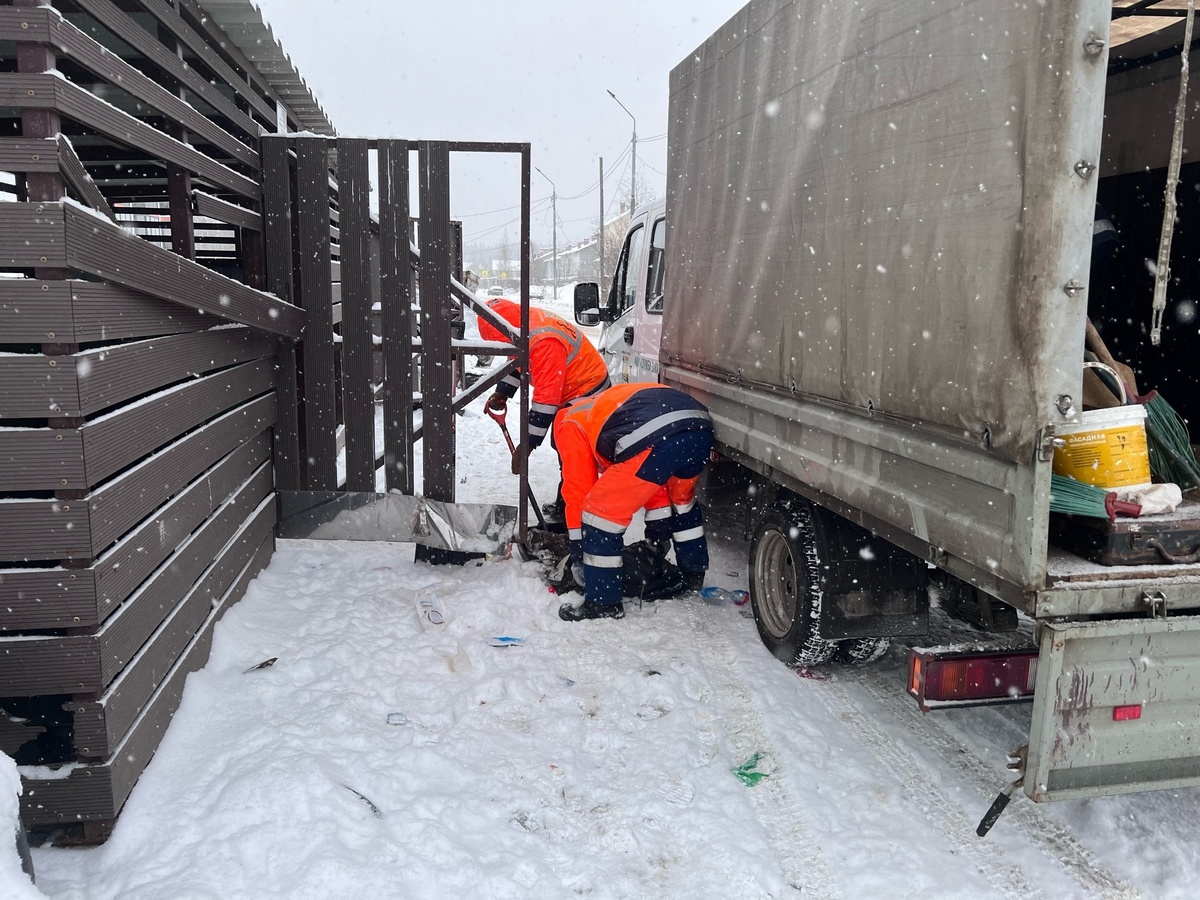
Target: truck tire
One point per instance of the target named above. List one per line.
(785, 587)
(858, 651)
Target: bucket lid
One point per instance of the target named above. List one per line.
(1115, 417)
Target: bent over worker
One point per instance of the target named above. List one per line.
(632, 446)
(563, 365)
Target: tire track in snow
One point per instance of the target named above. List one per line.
(912, 778)
(793, 844)
(1051, 838)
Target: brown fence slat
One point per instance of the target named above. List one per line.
(79, 312)
(171, 20)
(277, 242)
(82, 529)
(46, 598)
(36, 91)
(43, 529)
(77, 176)
(320, 413)
(100, 724)
(118, 22)
(121, 570)
(41, 459)
(223, 211)
(109, 252)
(113, 442)
(32, 234)
(358, 397)
(87, 663)
(37, 386)
(28, 154)
(33, 386)
(118, 505)
(44, 459)
(43, 26)
(117, 373)
(92, 793)
(124, 634)
(395, 296)
(437, 383)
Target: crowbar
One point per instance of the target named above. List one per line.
(499, 416)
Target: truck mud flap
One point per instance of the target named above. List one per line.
(1116, 708)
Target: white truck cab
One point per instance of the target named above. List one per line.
(631, 315)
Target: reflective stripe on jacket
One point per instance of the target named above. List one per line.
(616, 425)
(563, 364)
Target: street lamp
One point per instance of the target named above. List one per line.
(554, 238)
(633, 175)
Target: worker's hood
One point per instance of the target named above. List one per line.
(507, 310)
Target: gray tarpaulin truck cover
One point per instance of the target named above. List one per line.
(877, 204)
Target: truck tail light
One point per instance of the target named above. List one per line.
(940, 678)
(1127, 713)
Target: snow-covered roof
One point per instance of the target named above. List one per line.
(243, 22)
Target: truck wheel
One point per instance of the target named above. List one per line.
(861, 650)
(785, 589)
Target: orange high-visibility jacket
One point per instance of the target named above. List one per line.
(563, 364)
(616, 425)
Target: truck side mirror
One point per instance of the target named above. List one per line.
(587, 303)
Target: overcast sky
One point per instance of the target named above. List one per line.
(513, 70)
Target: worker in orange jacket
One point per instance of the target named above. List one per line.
(632, 446)
(563, 365)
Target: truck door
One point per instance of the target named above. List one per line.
(647, 318)
(616, 341)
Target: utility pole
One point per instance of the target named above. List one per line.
(554, 238)
(600, 261)
(633, 175)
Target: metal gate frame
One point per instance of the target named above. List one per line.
(316, 201)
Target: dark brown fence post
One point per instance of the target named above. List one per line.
(277, 235)
(179, 179)
(437, 380)
(358, 397)
(395, 296)
(316, 296)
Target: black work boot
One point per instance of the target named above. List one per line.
(590, 610)
(692, 581)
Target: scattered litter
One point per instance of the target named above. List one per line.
(265, 664)
(397, 718)
(739, 598)
(747, 773)
(374, 808)
(457, 660)
(382, 569)
(678, 792)
(429, 610)
(504, 640)
(714, 594)
(566, 681)
(812, 674)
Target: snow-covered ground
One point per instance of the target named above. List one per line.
(596, 759)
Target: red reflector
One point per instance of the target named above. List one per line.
(953, 678)
(1127, 713)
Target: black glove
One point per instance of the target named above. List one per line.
(518, 458)
(497, 401)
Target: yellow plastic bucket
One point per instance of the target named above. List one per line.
(1107, 449)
